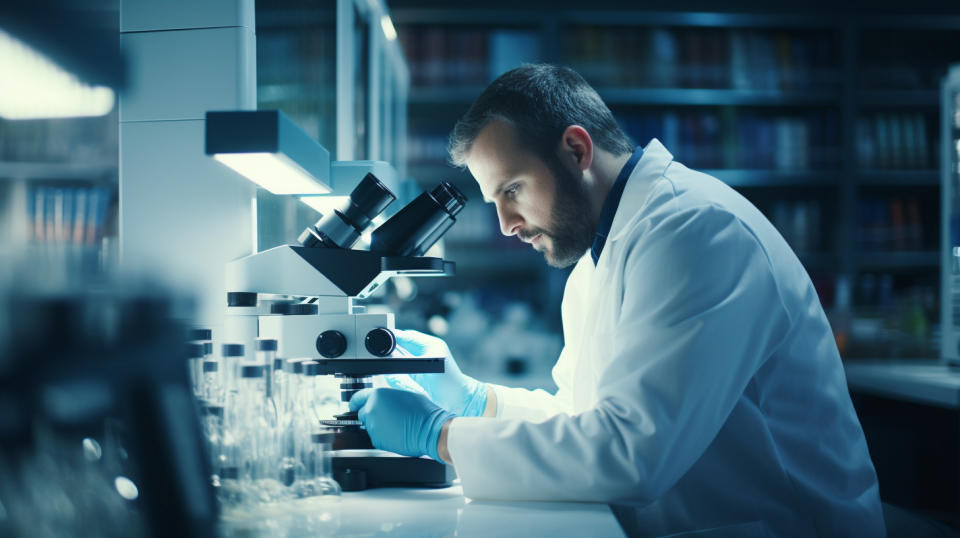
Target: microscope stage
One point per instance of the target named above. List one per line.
(368, 367)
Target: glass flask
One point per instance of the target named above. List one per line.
(318, 482)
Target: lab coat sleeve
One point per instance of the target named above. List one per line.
(700, 312)
(537, 405)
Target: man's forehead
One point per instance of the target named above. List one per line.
(493, 156)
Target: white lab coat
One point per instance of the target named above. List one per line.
(700, 384)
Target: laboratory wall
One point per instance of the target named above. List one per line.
(183, 215)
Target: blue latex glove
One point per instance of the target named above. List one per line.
(401, 421)
(451, 390)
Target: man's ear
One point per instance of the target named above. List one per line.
(576, 147)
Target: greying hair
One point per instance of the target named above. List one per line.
(540, 101)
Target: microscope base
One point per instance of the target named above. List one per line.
(364, 471)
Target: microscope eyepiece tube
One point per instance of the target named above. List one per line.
(342, 227)
(449, 197)
(416, 227)
(367, 200)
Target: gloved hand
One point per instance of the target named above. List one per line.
(451, 390)
(400, 421)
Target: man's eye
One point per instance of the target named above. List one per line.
(512, 190)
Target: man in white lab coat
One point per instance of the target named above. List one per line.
(700, 388)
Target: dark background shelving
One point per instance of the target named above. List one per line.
(827, 120)
(59, 194)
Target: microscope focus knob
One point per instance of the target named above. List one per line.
(380, 342)
(331, 344)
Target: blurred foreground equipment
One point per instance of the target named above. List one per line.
(99, 433)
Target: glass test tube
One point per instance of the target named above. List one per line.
(319, 483)
(254, 429)
(203, 337)
(212, 423)
(211, 387)
(291, 467)
(230, 372)
(194, 356)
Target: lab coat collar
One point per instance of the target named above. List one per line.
(651, 167)
(611, 204)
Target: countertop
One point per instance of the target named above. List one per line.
(422, 512)
(927, 382)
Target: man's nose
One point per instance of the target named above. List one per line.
(510, 221)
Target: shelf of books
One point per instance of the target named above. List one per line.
(58, 187)
(829, 125)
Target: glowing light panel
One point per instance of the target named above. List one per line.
(388, 30)
(273, 171)
(32, 86)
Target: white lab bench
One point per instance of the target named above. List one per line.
(920, 381)
(423, 512)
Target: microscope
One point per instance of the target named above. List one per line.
(303, 296)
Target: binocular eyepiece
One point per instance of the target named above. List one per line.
(342, 227)
(411, 232)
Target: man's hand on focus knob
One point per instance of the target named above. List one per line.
(452, 390)
(400, 421)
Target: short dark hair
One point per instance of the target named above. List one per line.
(540, 101)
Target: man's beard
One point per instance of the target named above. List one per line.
(572, 225)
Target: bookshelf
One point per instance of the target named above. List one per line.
(58, 188)
(921, 259)
(828, 123)
(95, 172)
(653, 96)
(58, 206)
